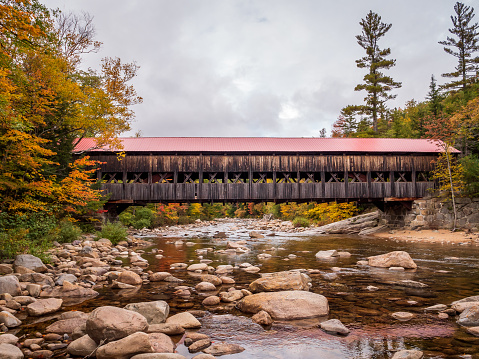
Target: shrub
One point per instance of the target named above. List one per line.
(115, 232)
(126, 218)
(142, 223)
(31, 233)
(68, 232)
(301, 222)
(325, 213)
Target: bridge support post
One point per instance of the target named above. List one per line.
(393, 213)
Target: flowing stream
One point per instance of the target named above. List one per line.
(450, 271)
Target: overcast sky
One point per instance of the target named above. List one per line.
(277, 68)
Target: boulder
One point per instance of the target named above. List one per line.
(126, 347)
(327, 254)
(469, 317)
(211, 300)
(9, 351)
(166, 328)
(262, 318)
(334, 326)
(155, 312)
(197, 266)
(130, 277)
(44, 306)
(223, 349)
(392, 259)
(199, 345)
(65, 277)
(205, 287)
(211, 278)
(159, 276)
(402, 316)
(111, 323)
(280, 281)
(204, 356)
(161, 343)
(37, 278)
(286, 305)
(9, 320)
(8, 339)
(69, 290)
(67, 326)
(82, 347)
(185, 320)
(231, 296)
(10, 284)
(408, 354)
(31, 262)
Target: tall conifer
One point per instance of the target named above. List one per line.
(463, 46)
(376, 84)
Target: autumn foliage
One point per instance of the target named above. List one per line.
(48, 103)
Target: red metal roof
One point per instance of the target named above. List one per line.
(268, 144)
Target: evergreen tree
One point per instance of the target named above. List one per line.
(376, 84)
(464, 46)
(434, 97)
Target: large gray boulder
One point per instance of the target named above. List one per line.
(286, 305)
(10, 284)
(161, 343)
(82, 347)
(185, 320)
(469, 317)
(392, 259)
(155, 312)
(30, 262)
(126, 347)
(112, 323)
(9, 320)
(280, 281)
(9, 351)
(159, 356)
(44, 306)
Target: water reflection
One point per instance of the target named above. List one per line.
(449, 271)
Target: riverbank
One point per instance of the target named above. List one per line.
(429, 236)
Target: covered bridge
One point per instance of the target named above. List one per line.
(242, 169)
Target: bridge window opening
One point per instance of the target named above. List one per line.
(402, 177)
(112, 177)
(357, 177)
(332, 177)
(263, 177)
(141, 177)
(286, 177)
(188, 177)
(213, 177)
(423, 177)
(166, 177)
(238, 177)
(380, 177)
(310, 177)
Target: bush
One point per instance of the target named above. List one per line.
(31, 233)
(115, 232)
(68, 232)
(142, 223)
(301, 222)
(325, 213)
(126, 218)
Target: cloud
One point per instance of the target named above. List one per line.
(268, 68)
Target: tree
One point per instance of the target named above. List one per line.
(434, 97)
(376, 84)
(463, 47)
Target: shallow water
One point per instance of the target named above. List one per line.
(450, 271)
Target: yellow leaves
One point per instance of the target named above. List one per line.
(325, 213)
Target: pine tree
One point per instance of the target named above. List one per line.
(434, 97)
(376, 84)
(463, 47)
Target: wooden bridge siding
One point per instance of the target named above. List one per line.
(249, 164)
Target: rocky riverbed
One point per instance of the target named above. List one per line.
(241, 289)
